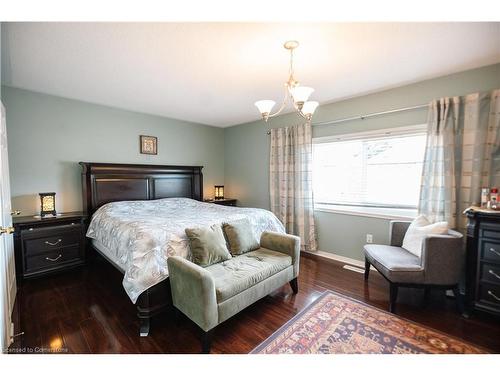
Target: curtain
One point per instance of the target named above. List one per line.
(462, 155)
(291, 182)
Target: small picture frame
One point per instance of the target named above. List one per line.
(148, 145)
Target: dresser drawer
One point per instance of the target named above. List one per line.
(52, 259)
(49, 240)
(487, 233)
(490, 251)
(490, 273)
(489, 294)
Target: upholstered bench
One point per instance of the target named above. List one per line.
(210, 295)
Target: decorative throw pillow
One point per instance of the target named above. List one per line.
(419, 228)
(208, 245)
(240, 236)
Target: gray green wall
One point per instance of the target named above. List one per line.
(49, 135)
(247, 156)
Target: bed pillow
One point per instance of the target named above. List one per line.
(240, 237)
(208, 245)
(420, 228)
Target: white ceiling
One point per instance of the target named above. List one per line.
(212, 73)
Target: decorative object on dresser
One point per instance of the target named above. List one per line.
(47, 204)
(47, 245)
(148, 144)
(219, 192)
(223, 201)
(482, 279)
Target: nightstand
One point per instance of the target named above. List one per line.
(223, 202)
(48, 245)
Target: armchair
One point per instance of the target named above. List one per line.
(438, 267)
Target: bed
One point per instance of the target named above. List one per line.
(139, 213)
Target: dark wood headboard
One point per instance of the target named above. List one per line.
(104, 182)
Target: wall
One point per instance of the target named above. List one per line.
(247, 149)
(49, 135)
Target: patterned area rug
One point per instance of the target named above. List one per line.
(338, 324)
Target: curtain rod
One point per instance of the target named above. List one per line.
(362, 117)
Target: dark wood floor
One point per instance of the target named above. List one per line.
(87, 311)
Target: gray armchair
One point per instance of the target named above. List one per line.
(438, 267)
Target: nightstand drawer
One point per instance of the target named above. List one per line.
(52, 259)
(490, 251)
(50, 240)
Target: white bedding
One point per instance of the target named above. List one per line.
(141, 235)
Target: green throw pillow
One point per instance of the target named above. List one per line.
(208, 245)
(240, 236)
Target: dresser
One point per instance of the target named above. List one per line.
(48, 245)
(223, 202)
(482, 284)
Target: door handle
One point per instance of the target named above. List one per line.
(15, 213)
(6, 230)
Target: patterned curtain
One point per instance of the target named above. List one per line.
(290, 182)
(461, 157)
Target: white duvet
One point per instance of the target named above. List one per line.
(141, 235)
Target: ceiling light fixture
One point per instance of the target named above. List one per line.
(299, 95)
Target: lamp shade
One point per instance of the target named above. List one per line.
(47, 204)
(309, 108)
(219, 192)
(265, 106)
(300, 94)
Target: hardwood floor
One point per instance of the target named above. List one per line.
(87, 311)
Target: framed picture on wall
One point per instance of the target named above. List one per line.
(149, 145)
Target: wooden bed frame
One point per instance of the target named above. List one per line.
(103, 183)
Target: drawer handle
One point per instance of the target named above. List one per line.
(53, 243)
(494, 251)
(491, 272)
(59, 257)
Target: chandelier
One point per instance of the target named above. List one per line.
(297, 94)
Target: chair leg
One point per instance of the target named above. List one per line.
(367, 268)
(393, 296)
(294, 285)
(206, 341)
(458, 299)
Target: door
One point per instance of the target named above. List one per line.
(7, 267)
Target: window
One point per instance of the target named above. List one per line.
(373, 173)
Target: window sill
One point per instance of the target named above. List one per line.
(380, 213)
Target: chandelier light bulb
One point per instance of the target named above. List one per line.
(300, 94)
(265, 106)
(309, 107)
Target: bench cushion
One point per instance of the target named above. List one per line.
(395, 263)
(239, 273)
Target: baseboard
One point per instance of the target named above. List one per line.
(341, 259)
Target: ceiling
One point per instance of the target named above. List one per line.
(212, 73)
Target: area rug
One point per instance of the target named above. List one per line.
(338, 324)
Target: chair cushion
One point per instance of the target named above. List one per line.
(208, 245)
(239, 273)
(240, 236)
(395, 263)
